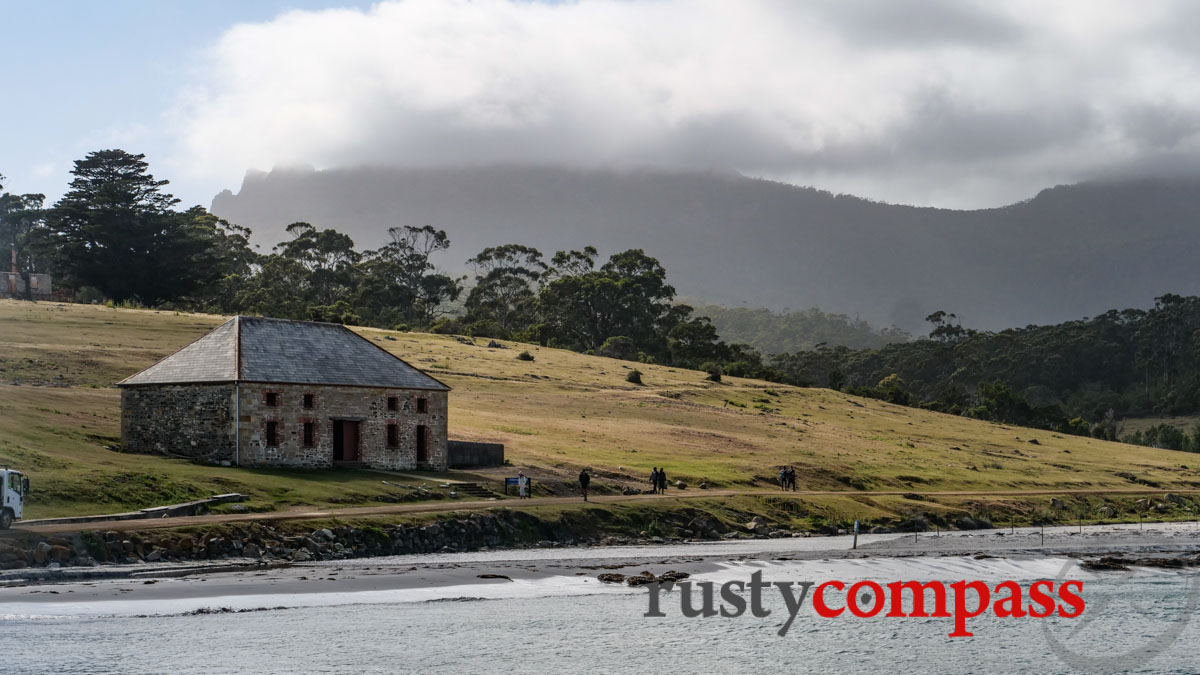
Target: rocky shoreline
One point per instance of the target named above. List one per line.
(266, 543)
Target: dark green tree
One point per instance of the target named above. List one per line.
(115, 230)
(505, 291)
(23, 237)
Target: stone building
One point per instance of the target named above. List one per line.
(272, 392)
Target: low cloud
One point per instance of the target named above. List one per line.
(944, 103)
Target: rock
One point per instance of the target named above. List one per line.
(779, 534)
(251, 550)
(60, 554)
(155, 555)
(301, 555)
(41, 553)
(1176, 499)
(1107, 563)
(757, 525)
(1056, 503)
(612, 578)
(880, 529)
(680, 485)
(964, 523)
(641, 579)
(673, 576)
(703, 486)
(324, 534)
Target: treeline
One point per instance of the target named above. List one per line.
(791, 331)
(117, 236)
(1077, 377)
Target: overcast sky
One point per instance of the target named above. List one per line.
(947, 103)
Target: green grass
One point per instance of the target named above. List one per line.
(59, 414)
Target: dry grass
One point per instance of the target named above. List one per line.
(553, 414)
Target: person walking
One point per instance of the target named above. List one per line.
(584, 479)
(662, 481)
(523, 484)
(792, 477)
(783, 478)
(654, 480)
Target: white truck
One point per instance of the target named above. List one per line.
(13, 488)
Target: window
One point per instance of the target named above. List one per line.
(392, 403)
(422, 405)
(393, 435)
(309, 432)
(308, 400)
(272, 399)
(272, 434)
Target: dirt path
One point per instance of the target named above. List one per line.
(446, 507)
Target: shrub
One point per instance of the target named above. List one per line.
(738, 369)
(525, 356)
(447, 326)
(634, 376)
(618, 347)
(714, 371)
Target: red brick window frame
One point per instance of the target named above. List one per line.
(393, 435)
(308, 433)
(422, 405)
(310, 401)
(271, 399)
(271, 433)
(393, 404)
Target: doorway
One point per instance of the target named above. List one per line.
(422, 443)
(345, 441)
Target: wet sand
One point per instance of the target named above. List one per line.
(573, 566)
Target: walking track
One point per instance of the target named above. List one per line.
(447, 507)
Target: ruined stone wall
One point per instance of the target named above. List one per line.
(366, 405)
(182, 420)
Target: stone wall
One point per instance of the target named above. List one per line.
(466, 454)
(183, 420)
(365, 405)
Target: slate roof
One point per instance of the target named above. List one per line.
(257, 349)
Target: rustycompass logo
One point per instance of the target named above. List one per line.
(958, 601)
(1133, 628)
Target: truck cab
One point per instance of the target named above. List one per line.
(13, 488)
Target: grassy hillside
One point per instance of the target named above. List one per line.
(59, 415)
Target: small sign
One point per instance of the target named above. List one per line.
(516, 483)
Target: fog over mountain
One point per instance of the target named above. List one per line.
(1069, 252)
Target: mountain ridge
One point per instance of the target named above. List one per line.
(1069, 251)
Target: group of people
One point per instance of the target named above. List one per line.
(658, 481)
(787, 478)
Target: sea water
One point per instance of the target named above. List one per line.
(1136, 621)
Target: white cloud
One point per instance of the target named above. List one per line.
(935, 102)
